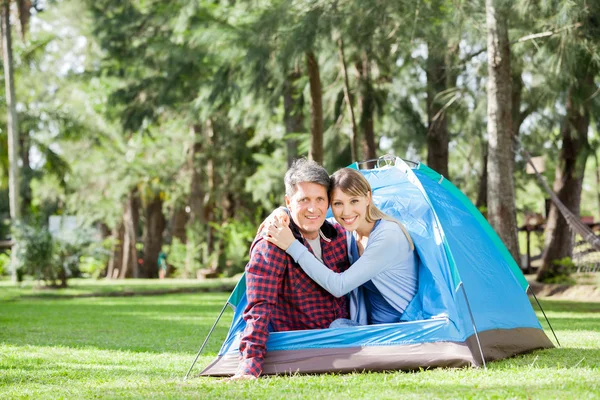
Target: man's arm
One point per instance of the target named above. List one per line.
(263, 278)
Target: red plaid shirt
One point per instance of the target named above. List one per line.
(280, 293)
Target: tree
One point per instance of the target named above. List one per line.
(12, 121)
(500, 163)
(569, 57)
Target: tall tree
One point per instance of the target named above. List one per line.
(316, 95)
(155, 224)
(568, 180)
(500, 163)
(569, 57)
(293, 103)
(441, 73)
(12, 121)
(366, 104)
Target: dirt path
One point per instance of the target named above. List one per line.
(586, 293)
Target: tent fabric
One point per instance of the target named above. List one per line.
(469, 294)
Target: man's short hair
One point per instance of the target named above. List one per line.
(303, 170)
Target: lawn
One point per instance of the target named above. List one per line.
(57, 344)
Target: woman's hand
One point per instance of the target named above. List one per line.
(278, 215)
(361, 243)
(280, 235)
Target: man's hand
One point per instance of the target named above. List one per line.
(241, 377)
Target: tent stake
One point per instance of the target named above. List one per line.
(474, 326)
(206, 340)
(547, 320)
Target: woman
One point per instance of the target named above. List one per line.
(384, 279)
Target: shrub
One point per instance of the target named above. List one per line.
(56, 259)
(237, 237)
(91, 266)
(78, 244)
(4, 263)
(34, 247)
(561, 272)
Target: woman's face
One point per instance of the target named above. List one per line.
(349, 211)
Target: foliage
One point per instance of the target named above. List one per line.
(92, 267)
(561, 273)
(176, 255)
(55, 257)
(80, 251)
(236, 235)
(35, 253)
(116, 95)
(4, 263)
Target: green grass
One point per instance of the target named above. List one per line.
(98, 288)
(141, 347)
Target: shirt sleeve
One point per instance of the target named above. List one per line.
(387, 247)
(263, 278)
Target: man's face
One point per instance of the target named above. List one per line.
(308, 207)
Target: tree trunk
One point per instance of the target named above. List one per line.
(517, 90)
(197, 194)
(116, 258)
(597, 177)
(129, 264)
(366, 102)
(567, 186)
(437, 123)
(481, 202)
(26, 172)
(179, 220)
(196, 221)
(293, 102)
(349, 103)
(153, 236)
(11, 127)
(316, 127)
(501, 192)
(209, 198)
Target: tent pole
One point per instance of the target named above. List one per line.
(205, 341)
(547, 320)
(474, 326)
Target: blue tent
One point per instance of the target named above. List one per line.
(471, 305)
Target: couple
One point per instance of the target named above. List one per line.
(299, 270)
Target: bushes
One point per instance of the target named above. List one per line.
(4, 263)
(229, 255)
(56, 259)
(34, 253)
(561, 273)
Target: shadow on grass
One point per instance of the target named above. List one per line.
(57, 294)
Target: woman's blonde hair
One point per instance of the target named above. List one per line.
(353, 183)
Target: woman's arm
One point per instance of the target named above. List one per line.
(386, 248)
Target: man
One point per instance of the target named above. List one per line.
(281, 297)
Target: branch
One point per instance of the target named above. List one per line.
(524, 39)
(546, 34)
